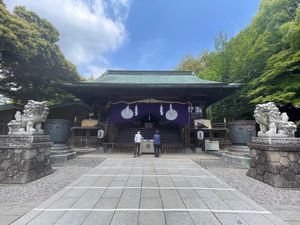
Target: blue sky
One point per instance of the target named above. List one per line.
(139, 34)
(162, 32)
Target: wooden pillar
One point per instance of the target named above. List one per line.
(187, 140)
(111, 133)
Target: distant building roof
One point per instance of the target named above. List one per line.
(150, 77)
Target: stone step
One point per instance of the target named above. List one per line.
(57, 147)
(238, 148)
(60, 152)
(239, 160)
(237, 154)
(55, 159)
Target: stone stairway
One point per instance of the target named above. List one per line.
(237, 155)
(61, 153)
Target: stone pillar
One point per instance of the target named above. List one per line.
(275, 161)
(24, 158)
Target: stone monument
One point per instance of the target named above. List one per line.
(275, 153)
(24, 152)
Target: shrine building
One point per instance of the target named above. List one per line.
(125, 101)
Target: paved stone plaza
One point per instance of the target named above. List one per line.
(149, 191)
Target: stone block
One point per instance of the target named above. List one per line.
(295, 167)
(293, 156)
(40, 167)
(18, 151)
(16, 159)
(273, 167)
(276, 180)
(7, 154)
(273, 156)
(5, 164)
(12, 170)
(251, 172)
(25, 177)
(40, 157)
(26, 165)
(2, 175)
(260, 170)
(284, 161)
(259, 177)
(30, 153)
(288, 174)
(253, 163)
(297, 179)
(261, 159)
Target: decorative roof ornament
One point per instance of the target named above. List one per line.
(171, 114)
(127, 113)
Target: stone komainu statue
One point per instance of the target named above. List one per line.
(30, 122)
(272, 122)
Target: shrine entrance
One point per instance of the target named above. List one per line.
(168, 118)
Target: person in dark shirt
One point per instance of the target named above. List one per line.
(156, 143)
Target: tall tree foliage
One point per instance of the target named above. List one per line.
(31, 63)
(265, 56)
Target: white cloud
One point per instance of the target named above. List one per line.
(89, 29)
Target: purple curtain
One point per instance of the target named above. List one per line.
(177, 114)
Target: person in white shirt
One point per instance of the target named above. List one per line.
(137, 140)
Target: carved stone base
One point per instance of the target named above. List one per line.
(275, 161)
(24, 158)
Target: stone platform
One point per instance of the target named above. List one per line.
(148, 191)
(24, 158)
(275, 161)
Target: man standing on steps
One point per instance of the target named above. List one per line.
(137, 140)
(156, 143)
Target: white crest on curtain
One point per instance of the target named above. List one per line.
(171, 114)
(127, 113)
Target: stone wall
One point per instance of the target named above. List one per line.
(275, 161)
(24, 158)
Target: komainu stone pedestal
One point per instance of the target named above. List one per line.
(275, 161)
(24, 158)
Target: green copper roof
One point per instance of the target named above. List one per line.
(150, 77)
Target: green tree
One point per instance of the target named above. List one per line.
(190, 63)
(31, 63)
(264, 56)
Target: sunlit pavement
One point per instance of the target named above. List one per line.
(149, 191)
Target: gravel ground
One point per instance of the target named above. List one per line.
(41, 189)
(258, 191)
